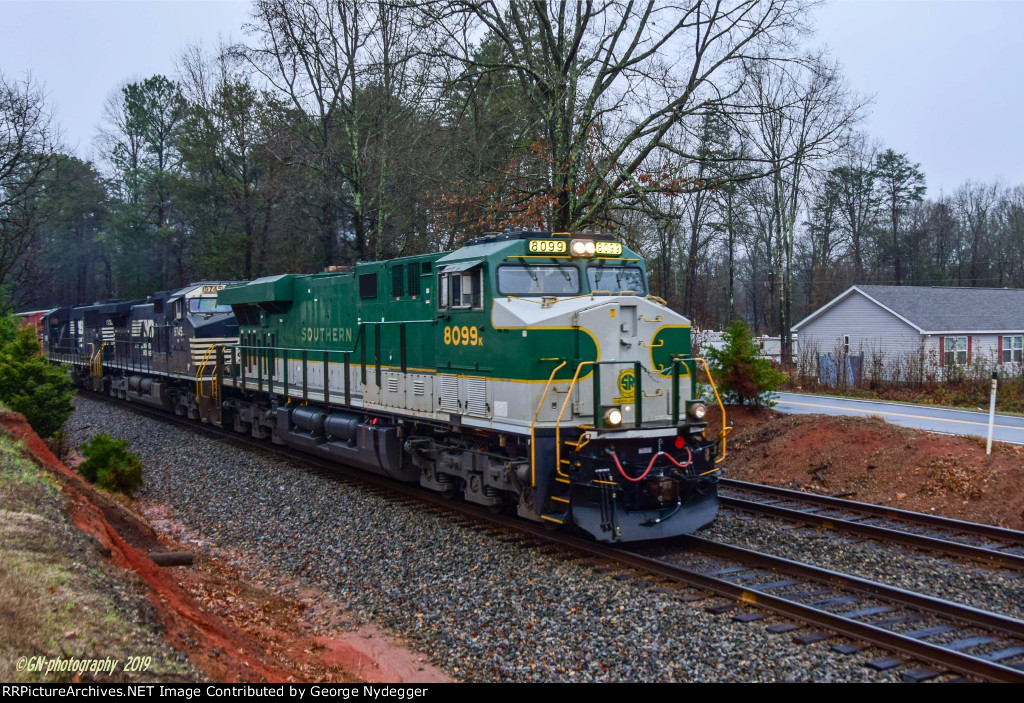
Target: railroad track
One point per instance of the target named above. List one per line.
(987, 544)
(981, 645)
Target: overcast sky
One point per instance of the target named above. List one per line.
(946, 76)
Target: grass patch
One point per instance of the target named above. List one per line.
(58, 596)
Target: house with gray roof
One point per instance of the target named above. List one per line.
(940, 327)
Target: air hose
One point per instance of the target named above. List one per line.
(641, 477)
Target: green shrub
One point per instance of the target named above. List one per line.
(110, 465)
(30, 385)
(738, 370)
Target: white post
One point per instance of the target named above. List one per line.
(991, 413)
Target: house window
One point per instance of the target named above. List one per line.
(956, 351)
(1013, 349)
(846, 344)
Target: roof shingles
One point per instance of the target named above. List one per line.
(954, 309)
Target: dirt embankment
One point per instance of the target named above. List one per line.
(870, 460)
(227, 629)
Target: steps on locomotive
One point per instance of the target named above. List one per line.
(558, 500)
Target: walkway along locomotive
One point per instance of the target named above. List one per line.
(525, 369)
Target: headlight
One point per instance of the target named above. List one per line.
(697, 411)
(583, 247)
(612, 417)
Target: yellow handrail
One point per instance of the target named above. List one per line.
(558, 423)
(201, 369)
(533, 424)
(725, 430)
(96, 360)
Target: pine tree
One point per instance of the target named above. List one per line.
(740, 372)
(31, 386)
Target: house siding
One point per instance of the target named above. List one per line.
(877, 333)
(893, 348)
(984, 348)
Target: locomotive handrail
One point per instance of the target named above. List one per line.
(676, 361)
(261, 353)
(546, 301)
(243, 354)
(200, 370)
(725, 429)
(533, 424)
(96, 360)
(558, 422)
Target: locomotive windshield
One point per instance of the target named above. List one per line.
(617, 279)
(206, 306)
(538, 280)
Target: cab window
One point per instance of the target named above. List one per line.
(461, 289)
(617, 279)
(206, 306)
(538, 280)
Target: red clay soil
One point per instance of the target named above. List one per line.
(870, 460)
(232, 631)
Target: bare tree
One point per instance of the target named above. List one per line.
(802, 121)
(349, 67)
(852, 185)
(975, 205)
(28, 139)
(606, 82)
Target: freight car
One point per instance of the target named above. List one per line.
(527, 371)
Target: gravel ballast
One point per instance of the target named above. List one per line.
(959, 580)
(481, 608)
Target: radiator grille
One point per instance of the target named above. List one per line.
(450, 394)
(476, 396)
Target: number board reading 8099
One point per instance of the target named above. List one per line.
(548, 246)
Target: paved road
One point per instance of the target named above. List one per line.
(1008, 428)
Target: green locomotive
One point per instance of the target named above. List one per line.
(525, 369)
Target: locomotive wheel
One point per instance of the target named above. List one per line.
(456, 488)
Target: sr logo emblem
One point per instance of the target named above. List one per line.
(627, 386)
